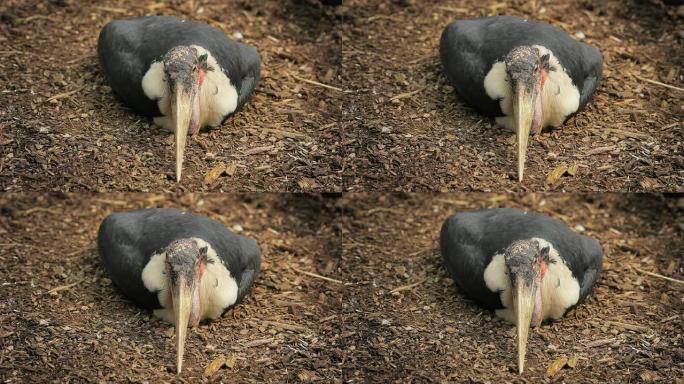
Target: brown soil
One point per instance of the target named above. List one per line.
(298, 136)
(297, 328)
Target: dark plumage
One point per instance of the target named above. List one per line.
(469, 240)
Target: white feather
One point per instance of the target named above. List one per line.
(218, 288)
(218, 96)
(560, 290)
(560, 98)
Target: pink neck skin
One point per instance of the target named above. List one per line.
(195, 118)
(537, 117)
(537, 311)
(195, 305)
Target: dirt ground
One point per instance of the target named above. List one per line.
(391, 315)
(390, 122)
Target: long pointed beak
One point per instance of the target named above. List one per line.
(523, 108)
(524, 305)
(182, 296)
(182, 109)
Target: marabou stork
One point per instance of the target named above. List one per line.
(185, 74)
(184, 267)
(527, 74)
(527, 267)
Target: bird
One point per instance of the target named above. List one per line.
(527, 74)
(184, 74)
(525, 266)
(184, 267)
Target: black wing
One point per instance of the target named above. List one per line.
(242, 65)
(465, 259)
(123, 259)
(125, 60)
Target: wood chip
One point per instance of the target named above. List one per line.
(572, 169)
(257, 150)
(407, 94)
(231, 168)
(407, 287)
(649, 376)
(306, 183)
(218, 363)
(256, 343)
(598, 343)
(599, 150)
(64, 94)
(556, 174)
(286, 326)
(214, 366)
(214, 173)
(572, 361)
(556, 366)
(64, 287)
(306, 376)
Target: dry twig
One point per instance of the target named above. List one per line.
(659, 83)
(407, 287)
(317, 276)
(318, 84)
(660, 276)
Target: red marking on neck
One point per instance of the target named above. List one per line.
(202, 269)
(542, 270)
(201, 77)
(543, 77)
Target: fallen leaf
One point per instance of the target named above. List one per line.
(214, 174)
(649, 376)
(306, 376)
(214, 366)
(649, 183)
(230, 361)
(572, 361)
(556, 174)
(556, 366)
(231, 168)
(306, 183)
(572, 169)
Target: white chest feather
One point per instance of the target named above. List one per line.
(218, 96)
(560, 290)
(560, 98)
(218, 289)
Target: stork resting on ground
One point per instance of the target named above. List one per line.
(184, 267)
(526, 267)
(184, 74)
(527, 74)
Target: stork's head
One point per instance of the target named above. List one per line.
(185, 266)
(526, 265)
(527, 70)
(185, 71)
